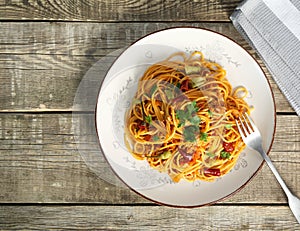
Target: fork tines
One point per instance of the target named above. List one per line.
(245, 125)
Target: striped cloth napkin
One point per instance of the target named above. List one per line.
(272, 27)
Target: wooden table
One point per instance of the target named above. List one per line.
(46, 47)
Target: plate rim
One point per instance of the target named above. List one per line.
(274, 117)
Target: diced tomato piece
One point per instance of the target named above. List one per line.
(228, 147)
(142, 127)
(185, 85)
(212, 172)
(147, 137)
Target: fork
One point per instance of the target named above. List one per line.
(252, 138)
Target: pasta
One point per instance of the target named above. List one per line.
(182, 118)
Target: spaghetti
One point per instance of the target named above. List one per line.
(182, 118)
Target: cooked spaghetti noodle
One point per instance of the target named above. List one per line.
(182, 118)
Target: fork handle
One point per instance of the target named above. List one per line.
(275, 172)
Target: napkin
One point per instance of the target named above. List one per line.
(272, 28)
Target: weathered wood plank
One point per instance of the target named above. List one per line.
(147, 218)
(39, 162)
(50, 129)
(106, 10)
(61, 180)
(42, 64)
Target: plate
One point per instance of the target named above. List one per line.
(119, 87)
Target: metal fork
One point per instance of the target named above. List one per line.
(252, 138)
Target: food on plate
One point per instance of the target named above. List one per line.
(182, 118)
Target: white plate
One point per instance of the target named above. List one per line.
(120, 85)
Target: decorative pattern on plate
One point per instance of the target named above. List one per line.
(147, 176)
(214, 52)
(241, 162)
(122, 99)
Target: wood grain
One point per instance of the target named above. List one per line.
(114, 10)
(46, 48)
(40, 162)
(147, 218)
(41, 65)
